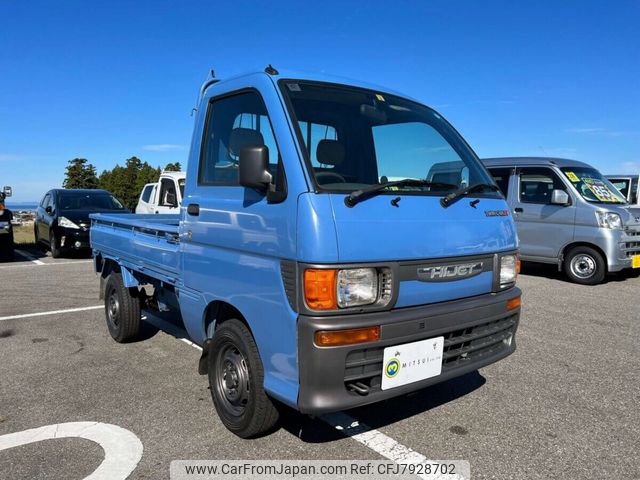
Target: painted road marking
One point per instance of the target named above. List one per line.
(43, 264)
(52, 312)
(28, 256)
(122, 449)
(369, 437)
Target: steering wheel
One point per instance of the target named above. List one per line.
(329, 175)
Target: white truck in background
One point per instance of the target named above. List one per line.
(164, 196)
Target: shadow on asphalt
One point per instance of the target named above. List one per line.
(381, 414)
(551, 271)
(39, 253)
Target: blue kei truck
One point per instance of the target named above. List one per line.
(338, 244)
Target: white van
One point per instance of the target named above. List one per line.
(165, 196)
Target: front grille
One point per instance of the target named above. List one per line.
(363, 368)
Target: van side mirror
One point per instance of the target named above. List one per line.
(559, 197)
(172, 200)
(254, 167)
(48, 209)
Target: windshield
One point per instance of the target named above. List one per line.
(89, 201)
(592, 185)
(622, 184)
(356, 138)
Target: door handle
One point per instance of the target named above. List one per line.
(518, 210)
(193, 209)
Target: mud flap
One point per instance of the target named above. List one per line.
(203, 364)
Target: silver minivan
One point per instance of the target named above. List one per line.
(567, 213)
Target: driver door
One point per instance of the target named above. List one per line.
(543, 228)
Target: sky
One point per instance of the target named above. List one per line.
(106, 80)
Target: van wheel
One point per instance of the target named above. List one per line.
(585, 265)
(236, 381)
(122, 310)
(56, 252)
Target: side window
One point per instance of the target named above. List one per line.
(313, 134)
(501, 177)
(536, 185)
(51, 202)
(146, 193)
(234, 123)
(45, 200)
(168, 197)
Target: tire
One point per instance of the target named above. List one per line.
(236, 379)
(121, 309)
(585, 265)
(56, 252)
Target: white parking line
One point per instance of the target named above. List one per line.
(28, 256)
(369, 437)
(43, 264)
(51, 312)
(122, 449)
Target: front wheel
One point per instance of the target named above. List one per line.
(236, 380)
(585, 265)
(56, 251)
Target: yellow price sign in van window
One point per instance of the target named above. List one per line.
(572, 176)
(635, 261)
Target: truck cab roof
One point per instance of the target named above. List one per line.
(533, 161)
(285, 74)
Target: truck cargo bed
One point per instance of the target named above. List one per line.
(146, 243)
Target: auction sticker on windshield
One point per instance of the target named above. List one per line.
(412, 362)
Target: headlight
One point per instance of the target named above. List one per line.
(508, 270)
(329, 289)
(609, 220)
(357, 286)
(66, 223)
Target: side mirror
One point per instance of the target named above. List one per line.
(172, 200)
(7, 191)
(254, 167)
(559, 197)
(49, 210)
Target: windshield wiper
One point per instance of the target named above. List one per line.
(476, 187)
(352, 199)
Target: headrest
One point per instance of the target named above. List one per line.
(244, 137)
(330, 152)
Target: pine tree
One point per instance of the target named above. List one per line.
(80, 174)
(173, 167)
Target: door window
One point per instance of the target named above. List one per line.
(233, 123)
(45, 200)
(146, 193)
(501, 177)
(168, 196)
(536, 185)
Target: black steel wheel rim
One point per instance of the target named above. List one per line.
(232, 379)
(113, 308)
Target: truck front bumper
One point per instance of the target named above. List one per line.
(478, 331)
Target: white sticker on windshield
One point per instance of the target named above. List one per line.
(294, 87)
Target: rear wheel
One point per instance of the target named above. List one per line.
(122, 310)
(236, 379)
(56, 252)
(585, 265)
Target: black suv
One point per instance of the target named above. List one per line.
(62, 218)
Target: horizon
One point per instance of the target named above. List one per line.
(120, 79)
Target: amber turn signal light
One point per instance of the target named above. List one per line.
(514, 303)
(518, 265)
(320, 289)
(334, 338)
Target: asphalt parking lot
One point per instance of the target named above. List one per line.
(563, 406)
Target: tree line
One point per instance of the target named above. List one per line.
(125, 182)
